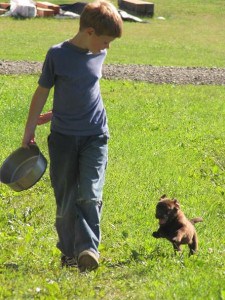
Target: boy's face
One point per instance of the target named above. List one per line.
(96, 43)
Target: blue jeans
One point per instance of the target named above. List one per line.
(77, 172)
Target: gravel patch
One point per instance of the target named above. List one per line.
(173, 75)
(146, 73)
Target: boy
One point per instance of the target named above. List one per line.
(79, 132)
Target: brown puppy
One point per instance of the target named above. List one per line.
(174, 226)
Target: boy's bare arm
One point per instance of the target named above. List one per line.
(38, 101)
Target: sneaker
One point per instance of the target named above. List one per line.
(87, 261)
(68, 261)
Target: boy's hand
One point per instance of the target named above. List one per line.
(44, 118)
(28, 139)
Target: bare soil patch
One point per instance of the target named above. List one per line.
(147, 73)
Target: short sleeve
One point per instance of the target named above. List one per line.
(47, 78)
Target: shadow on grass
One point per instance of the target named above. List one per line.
(140, 257)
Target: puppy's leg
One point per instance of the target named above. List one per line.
(194, 245)
(176, 247)
(179, 235)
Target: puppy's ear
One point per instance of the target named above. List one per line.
(176, 203)
(163, 197)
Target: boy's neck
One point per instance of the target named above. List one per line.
(79, 40)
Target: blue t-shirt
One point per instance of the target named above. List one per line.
(77, 105)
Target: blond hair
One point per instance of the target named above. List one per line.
(103, 17)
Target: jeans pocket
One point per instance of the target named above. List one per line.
(104, 138)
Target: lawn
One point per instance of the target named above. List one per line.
(165, 139)
(190, 35)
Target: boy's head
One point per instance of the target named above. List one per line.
(103, 17)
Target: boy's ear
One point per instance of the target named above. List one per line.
(90, 30)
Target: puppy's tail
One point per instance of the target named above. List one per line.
(196, 220)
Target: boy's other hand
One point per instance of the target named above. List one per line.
(44, 118)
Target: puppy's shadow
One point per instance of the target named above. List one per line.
(134, 257)
(140, 257)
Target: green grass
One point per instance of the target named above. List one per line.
(191, 35)
(164, 139)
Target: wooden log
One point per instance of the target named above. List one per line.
(138, 7)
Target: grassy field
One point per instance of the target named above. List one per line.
(164, 139)
(191, 35)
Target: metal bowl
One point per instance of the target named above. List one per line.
(23, 168)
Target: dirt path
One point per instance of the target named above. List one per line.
(151, 74)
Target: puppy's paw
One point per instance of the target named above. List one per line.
(155, 234)
(176, 239)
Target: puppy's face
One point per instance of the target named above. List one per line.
(166, 210)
